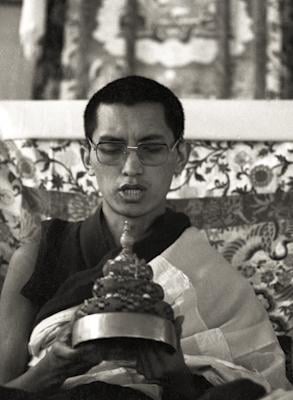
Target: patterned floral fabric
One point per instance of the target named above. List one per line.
(240, 193)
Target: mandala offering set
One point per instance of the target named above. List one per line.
(126, 304)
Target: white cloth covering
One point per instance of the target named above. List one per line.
(224, 328)
(237, 120)
(280, 394)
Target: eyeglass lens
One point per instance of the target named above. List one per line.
(148, 154)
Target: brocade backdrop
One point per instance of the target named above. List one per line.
(240, 193)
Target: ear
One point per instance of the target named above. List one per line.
(85, 152)
(183, 151)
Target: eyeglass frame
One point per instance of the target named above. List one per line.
(94, 146)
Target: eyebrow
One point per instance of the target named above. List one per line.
(110, 138)
(153, 137)
(148, 138)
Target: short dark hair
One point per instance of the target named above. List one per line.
(131, 90)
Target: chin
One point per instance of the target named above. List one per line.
(131, 211)
(135, 210)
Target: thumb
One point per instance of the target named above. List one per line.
(64, 335)
(178, 324)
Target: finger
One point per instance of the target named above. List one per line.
(144, 363)
(178, 329)
(63, 352)
(73, 370)
(151, 362)
(91, 352)
(65, 334)
(178, 326)
(178, 323)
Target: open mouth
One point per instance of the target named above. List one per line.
(131, 193)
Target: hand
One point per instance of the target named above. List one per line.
(69, 361)
(156, 363)
(160, 366)
(61, 362)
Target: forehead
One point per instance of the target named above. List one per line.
(137, 121)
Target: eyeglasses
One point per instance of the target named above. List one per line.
(150, 154)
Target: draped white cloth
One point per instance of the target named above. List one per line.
(224, 328)
(280, 394)
(237, 120)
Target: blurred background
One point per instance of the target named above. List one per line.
(66, 49)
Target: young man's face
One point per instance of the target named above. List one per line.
(130, 188)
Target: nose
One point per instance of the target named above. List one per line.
(132, 165)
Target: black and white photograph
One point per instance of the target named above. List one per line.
(146, 199)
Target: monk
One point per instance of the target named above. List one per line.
(134, 129)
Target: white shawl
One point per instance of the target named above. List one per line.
(225, 327)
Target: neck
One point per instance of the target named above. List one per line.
(140, 226)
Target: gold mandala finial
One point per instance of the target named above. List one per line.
(126, 240)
